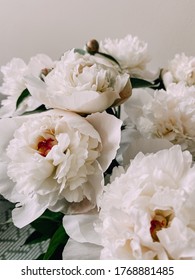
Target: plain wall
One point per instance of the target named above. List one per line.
(28, 27)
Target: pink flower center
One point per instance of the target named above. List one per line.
(44, 146)
(161, 219)
(157, 223)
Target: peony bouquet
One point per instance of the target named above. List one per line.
(93, 183)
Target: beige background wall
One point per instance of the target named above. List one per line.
(28, 27)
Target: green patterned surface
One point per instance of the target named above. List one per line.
(12, 238)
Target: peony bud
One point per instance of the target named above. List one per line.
(92, 46)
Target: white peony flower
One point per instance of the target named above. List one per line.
(167, 114)
(180, 69)
(81, 83)
(132, 55)
(146, 213)
(55, 160)
(14, 83)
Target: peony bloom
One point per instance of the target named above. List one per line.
(166, 114)
(146, 213)
(81, 83)
(132, 55)
(180, 69)
(14, 83)
(55, 160)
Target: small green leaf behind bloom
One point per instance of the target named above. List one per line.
(22, 96)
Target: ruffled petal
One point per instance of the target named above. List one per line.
(81, 228)
(81, 251)
(110, 133)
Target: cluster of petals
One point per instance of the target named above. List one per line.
(82, 83)
(164, 114)
(55, 160)
(132, 55)
(147, 212)
(14, 73)
(180, 69)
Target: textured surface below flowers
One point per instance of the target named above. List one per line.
(12, 238)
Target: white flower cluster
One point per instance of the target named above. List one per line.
(147, 210)
(126, 189)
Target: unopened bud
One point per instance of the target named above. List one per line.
(92, 46)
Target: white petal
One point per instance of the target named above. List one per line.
(78, 101)
(81, 251)
(7, 186)
(109, 128)
(134, 106)
(81, 228)
(28, 212)
(138, 143)
(85, 102)
(178, 240)
(7, 128)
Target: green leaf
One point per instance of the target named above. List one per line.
(57, 255)
(59, 239)
(48, 223)
(34, 238)
(39, 109)
(115, 111)
(52, 215)
(140, 83)
(113, 164)
(109, 57)
(22, 96)
(80, 51)
(158, 84)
